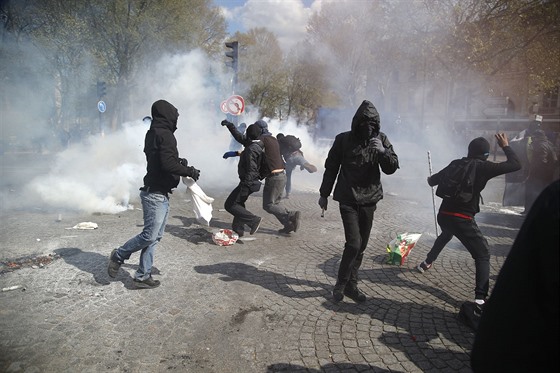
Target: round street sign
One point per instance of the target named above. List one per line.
(223, 107)
(101, 106)
(235, 105)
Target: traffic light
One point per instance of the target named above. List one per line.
(233, 54)
(101, 89)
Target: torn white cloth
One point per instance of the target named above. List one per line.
(201, 202)
(85, 225)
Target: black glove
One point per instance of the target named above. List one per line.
(225, 122)
(184, 162)
(323, 202)
(193, 172)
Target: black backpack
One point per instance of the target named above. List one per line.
(291, 143)
(457, 182)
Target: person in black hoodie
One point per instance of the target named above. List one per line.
(354, 162)
(542, 163)
(250, 173)
(164, 169)
(275, 180)
(457, 218)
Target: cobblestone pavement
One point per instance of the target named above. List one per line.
(257, 306)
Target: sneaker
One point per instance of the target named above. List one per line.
(423, 267)
(310, 168)
(294, 219)
(470, 313)
(148, 283)
(114, 265)
(255, 225)
(239, 230)
(478, 307)
(286, 230)
(355, 294)
(337, 294)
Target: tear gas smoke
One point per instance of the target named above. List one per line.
(103, 173)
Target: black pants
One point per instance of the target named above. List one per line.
(357, 221)
(235, 205)
(471, 237)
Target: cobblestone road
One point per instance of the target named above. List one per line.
(257, 306)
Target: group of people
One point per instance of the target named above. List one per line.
(352, 174)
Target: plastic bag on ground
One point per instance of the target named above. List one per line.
(401, 246)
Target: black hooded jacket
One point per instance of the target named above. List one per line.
(160, 146)
(355, 161)
(274, 159)
(485, 170)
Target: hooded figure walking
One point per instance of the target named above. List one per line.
(354, 162)
(163, 174)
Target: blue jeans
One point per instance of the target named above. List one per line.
(156, 210)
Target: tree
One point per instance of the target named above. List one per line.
(131, 32)
(306, 84)
(514, 42)
(262, 72)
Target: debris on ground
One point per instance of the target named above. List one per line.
(27, 262)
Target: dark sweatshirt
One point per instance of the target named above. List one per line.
(160, 146)
(485, 170)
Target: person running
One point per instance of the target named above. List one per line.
(275, 180)
(290, 148)
(250, 171)
(457, 218)
(163, 174)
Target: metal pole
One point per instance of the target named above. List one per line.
(433, 194)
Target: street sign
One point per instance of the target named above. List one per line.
(101, 106)
(234, 105)
(223, 107)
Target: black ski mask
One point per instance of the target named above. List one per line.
(366, 123)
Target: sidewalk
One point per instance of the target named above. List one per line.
(257, 306)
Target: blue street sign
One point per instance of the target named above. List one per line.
(101, 106)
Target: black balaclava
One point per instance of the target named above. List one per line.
(366, 122)
(164, 115)
(479, 148)
(253, 131)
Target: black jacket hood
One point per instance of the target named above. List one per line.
(164, 115)
(366, 122)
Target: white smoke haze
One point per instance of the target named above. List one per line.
(102, 174)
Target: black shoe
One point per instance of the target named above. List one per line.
(148, 283)
(355, 294)
(114, 265)
(470, 314)
(287, 229)
(337, 295)
(255, 225)
(294, 219)
(239, 230)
